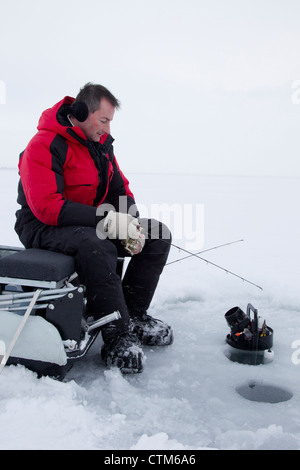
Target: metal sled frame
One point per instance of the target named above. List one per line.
(61, 300)
(17, 292)
(11, 292)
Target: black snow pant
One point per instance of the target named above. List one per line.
(96, 266)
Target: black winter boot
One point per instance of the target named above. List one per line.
(151, 331)
(125, 353)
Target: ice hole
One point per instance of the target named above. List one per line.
(261, 392)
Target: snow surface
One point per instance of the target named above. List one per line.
(185, 398)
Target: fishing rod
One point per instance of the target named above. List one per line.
(216, 265)
(203, 251)
(227, 271)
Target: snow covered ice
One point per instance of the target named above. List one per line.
(185, 398)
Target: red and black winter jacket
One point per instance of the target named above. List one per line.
(64, 177)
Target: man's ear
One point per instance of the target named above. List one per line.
(80, 111)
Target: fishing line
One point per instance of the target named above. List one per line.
(218, 266)
(227, 271)
(204, 251)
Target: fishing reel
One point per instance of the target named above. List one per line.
(250, 338)
(134, 245)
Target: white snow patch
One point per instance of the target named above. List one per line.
(185, 398)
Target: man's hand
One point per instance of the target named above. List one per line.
(126, 228)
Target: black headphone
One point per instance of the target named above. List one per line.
(79, 110)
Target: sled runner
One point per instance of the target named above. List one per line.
(43, 320)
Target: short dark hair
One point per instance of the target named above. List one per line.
(91, 95)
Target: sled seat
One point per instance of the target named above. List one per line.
(36, 267)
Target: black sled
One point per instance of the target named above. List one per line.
(58, 330)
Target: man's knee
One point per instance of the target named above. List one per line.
(156, 230)
(88, 242)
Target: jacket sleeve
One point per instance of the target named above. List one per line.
(119, 193)
(41, 173)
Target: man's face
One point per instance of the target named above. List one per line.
(98, 123)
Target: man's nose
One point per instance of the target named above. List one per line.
(107, 128)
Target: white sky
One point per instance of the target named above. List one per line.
(206, 86)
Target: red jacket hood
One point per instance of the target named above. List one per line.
(55, 120)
